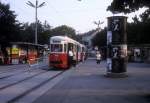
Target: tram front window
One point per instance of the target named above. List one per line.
(56, 47)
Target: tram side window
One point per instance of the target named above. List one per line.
(79, 48)
(70, 45)
(83, 49)
(65, 47)
(56, 47)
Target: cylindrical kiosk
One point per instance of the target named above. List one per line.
(116, 46)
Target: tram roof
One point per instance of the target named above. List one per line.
(64, 38)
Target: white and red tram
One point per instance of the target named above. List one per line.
(59, 49)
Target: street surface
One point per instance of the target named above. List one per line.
(85, 83)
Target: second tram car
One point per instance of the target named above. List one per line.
(59, 51)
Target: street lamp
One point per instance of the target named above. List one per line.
(98, 24)
(35, 6)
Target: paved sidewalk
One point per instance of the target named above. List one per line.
(87, 84)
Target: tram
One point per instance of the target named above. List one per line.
(59, 51)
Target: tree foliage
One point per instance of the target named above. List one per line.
(100, 38)
(127, 6)
(64, 31)
(138, 32)
(43, 33)
(9, 27)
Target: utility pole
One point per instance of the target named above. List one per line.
(98, 25)
(35, 6)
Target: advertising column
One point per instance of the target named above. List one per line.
(116, 46)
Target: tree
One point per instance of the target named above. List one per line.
(9, 28)
(44, 32)
(100, 38)
(127, 6)
(64, 31)
(28, 33)
(145, 17)
(138, 32)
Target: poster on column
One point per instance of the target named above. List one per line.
(109, 37)
(109, 64)
(119, 51)
(115, 52)
(123, 51)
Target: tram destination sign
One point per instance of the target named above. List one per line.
(56, 41)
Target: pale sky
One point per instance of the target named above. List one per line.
(79, 15)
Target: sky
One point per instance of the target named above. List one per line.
(77, 14)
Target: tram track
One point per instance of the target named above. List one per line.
(14, 83)
(25, 86)
(38, 92)
(12, 73)
(7, 75)
(34, 88)
(28, 73)
(8, 69)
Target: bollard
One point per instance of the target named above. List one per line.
(116, 47)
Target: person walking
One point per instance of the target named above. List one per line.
(98, 57)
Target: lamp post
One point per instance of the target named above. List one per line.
(35, 6)
(98, 25)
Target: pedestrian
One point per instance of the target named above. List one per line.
(98, 57)
(74, 58)
(70, 57)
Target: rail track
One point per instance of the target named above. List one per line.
(17, 86)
